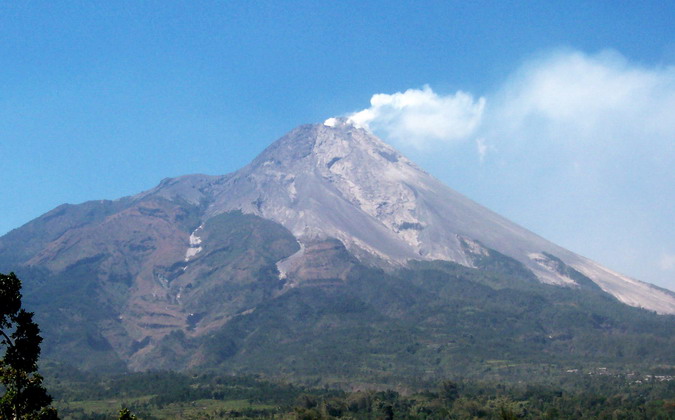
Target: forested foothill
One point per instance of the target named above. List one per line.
(596, 394)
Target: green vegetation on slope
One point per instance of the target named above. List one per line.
(594, 394)
(427, 321)
(435, 320)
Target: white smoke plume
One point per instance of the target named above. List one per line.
(419, 117)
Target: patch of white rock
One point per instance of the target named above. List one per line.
(195, 244)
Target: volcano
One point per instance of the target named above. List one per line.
(328, 234)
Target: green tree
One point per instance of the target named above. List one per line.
(125, 414)
(449, 392)
(24, 396)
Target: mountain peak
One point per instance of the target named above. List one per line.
(334, 122)
(337, 180)
(333, 149)
(321, 179)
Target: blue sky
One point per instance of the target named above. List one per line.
(554, 114)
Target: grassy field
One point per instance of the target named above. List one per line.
(108, 407)
(202, 407)
(198, 409)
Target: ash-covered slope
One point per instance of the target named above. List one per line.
(337, 180)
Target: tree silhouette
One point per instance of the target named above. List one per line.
(25, 397)
(125, 414)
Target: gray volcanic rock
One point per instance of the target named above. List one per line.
(335, 180)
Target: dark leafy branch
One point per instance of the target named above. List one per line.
(24, 396)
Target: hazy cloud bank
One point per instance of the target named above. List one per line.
(579, 101)
(584, 140)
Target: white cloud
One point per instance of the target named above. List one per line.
(572, 99)
(420, 117)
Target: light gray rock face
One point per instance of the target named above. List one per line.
(335, 180)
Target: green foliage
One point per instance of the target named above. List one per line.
(159, 395)
(24, 396)
(449, 392)
(435, 320)
(125, 414)
(237, 264)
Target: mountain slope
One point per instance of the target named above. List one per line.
(340, 181)
(329, 236)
